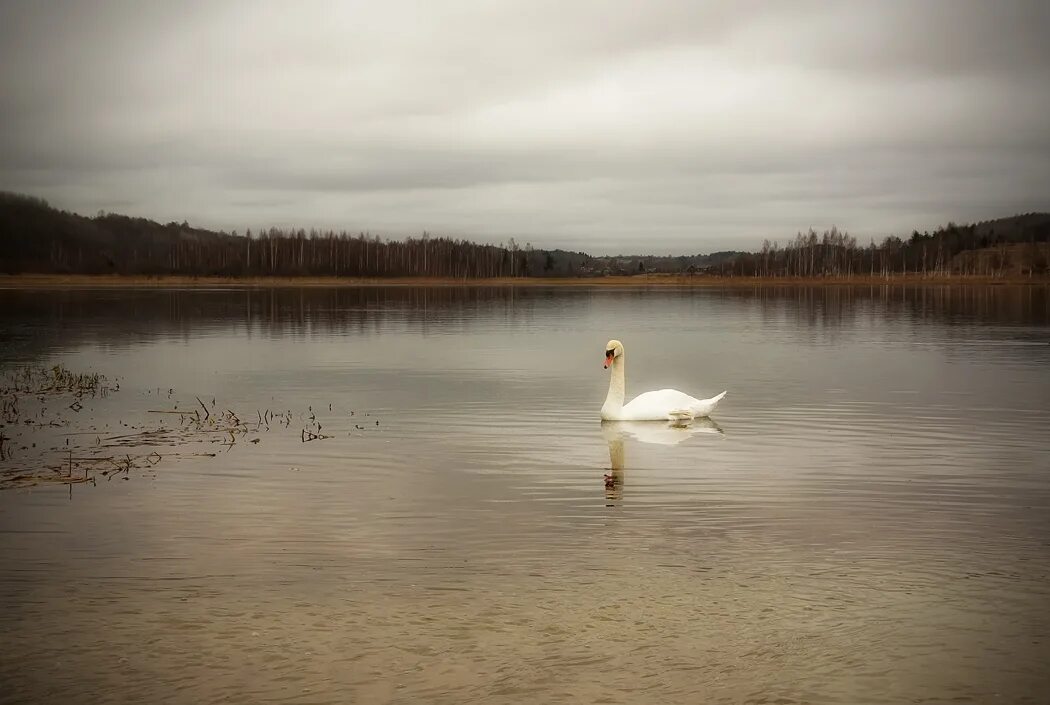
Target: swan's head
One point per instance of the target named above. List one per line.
(613, 350)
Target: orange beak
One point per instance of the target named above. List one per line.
(608, 359)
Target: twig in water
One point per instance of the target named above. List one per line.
(206, 413)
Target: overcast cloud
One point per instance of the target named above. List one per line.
(604, 126)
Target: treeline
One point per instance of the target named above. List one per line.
(36, 238)
(1016, 246)
(625, 265)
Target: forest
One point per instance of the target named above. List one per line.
(37, 238)
(1016, 246)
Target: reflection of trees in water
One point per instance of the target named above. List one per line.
(832, 306)
(122, 316)
(36, 319)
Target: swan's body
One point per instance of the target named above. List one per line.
(661, 405)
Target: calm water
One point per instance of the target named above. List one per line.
(866, 520)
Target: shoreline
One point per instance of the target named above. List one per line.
(103, 281)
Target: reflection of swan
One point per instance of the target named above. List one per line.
(614, 480)
(662, 405)
(667, 434)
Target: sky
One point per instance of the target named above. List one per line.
(596, 125)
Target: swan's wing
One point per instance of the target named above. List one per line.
(668, 405)
(658, 406)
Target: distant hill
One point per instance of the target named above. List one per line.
(1014, 246)
(36, 238)
(660, 264)
(1028, 227)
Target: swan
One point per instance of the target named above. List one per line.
(661, 405)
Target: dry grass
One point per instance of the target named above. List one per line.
(49, 434)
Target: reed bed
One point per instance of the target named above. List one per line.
(47, 433)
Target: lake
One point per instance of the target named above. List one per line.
(865, 519)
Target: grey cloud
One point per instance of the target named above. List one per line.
(935, 37)
(606, 126)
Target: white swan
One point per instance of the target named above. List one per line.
(661, 405)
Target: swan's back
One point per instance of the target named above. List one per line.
(667, 404)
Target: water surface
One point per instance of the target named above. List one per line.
(866, 519)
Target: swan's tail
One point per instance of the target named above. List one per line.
(706, 406)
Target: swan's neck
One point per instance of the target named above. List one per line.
(614, 399)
